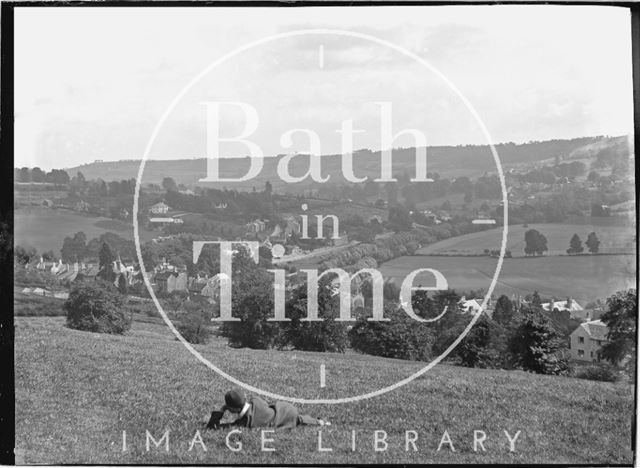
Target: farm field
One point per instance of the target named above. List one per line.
(584, 278)
(77, 391)
(612, 238)
(45, 229)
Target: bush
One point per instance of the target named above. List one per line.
(193, 325)
(97, 307)
(536, 345)
(401, 337)
(326, 335)
(252, 303)
(483, 347)
(600, 373)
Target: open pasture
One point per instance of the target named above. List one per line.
(45, 229)
(584, 278)
(613, 238)
(76, 392)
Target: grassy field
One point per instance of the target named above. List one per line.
(77, 391)
(612, 239)
(585, 278)
(45, 229)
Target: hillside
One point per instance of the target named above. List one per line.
(77, 391)
(45, 229)
(449, 161)
(583, 277)
(613, 238)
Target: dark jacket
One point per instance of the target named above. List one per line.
(280, 415)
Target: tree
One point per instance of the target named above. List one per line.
(401, 337)
(535, 300)
(74, 249)
(593, 243)
(123, 288)
(535, 243)
(251, 302)
(503, 311)
(620, 319)
(483, 346)
(326, 335)
(536, 346)
(575, 245)
(175, 299)
(169, 184)
(59, 176)
(96, 307)
(37, 175)
(48, 256)
(468, 196)
(106, 260)
(399, 218)
(193, 324)
(25, 175)
(24, 254)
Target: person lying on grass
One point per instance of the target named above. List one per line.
(255, 412)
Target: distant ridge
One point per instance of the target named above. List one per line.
(449, 161)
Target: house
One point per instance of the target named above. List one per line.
(88, 274)
(587, 339)
(212, 288)
(169, 281)
(256, 226)
(48, 203)
(42, 265)
(340, 241)
(69, 274)
(159, 208)
(470, 305)
(292, 227)
(82, 206)
(570, 305)
(196, 283)
(41, 292)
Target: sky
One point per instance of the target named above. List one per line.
(93, 83)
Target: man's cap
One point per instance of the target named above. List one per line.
(235, 398)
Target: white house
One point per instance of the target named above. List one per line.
(572, 306)
(256, 226)
(470, 305)
(587, 339)
(159, 208)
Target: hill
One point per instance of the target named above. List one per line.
(585, 278)
(613, 238)
(449, 161)
(45, 229)
(77, 391)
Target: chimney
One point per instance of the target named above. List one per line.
(569, 302)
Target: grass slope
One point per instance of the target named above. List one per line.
(45, 229)
(584, 278)
(76, 392)
(612, 239)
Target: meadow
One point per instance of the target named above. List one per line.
(613, 238)
(45, 229)
(76, 392)
(585, 278)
